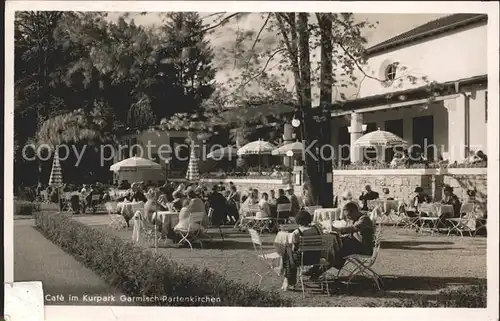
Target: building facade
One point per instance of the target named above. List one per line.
(428, 86)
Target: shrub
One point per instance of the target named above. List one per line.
(138, 272)
(469, 296)
(25, 208)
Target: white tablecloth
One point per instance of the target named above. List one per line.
(168, 219)
(435, 209)
(129, 208)
(324, 214)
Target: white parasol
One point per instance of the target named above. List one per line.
(380, 138)
(258, 147)
(296, 148)
(134, 163)
(226, 152)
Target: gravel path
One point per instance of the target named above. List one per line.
(38, 259)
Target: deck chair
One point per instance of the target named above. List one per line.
(210, 216)
(269, 262)
(362, 264)
(312, 250)
(194, 235)
(282, 208)
(460, 224)
(116, 221)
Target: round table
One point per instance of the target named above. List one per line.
(128, 209)
(324, 214)
(168, 221)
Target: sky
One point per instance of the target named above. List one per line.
(389, 25)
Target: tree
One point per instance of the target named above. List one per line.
(340, 40)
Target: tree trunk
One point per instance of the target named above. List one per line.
(309, 128)
(326, 83)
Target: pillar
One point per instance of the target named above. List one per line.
(456, 128)
(287, 138)
(356, 131)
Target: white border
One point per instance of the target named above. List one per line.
(125, 313)
(410, 171)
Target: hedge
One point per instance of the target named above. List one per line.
(467, 296)
(25, 207)
(138, 272)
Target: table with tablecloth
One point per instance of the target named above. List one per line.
(128, 209)
(169, 220)
(324, 214)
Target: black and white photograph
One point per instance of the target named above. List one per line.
(260, 158)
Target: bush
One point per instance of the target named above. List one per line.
(470, 296)
(138, 272)
(25, 208)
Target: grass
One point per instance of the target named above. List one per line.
(414, 267)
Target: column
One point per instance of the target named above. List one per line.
(287, 138)
(456, 128)
(356, 131)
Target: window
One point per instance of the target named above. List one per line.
(486, 106)
(390, 72)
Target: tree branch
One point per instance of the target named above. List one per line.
(223, 21)
(263, 69)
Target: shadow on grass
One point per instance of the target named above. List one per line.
(406, 287)
(414, 245)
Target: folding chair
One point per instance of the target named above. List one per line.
(116, 220)
(311, 209)
(312, 250)
(248, 214)
(149, 231)
(66, 203)
(282, 208)
(267, 260)
(363, 263)
(195, 217)
(460, 224)
(432, 218)
(407, 222)
(94, 202)
(210, 221)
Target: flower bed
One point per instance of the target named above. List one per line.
(138, 272)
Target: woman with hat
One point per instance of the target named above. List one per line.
(451, 199)
(420, 197)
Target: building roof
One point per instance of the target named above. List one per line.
(432, 28)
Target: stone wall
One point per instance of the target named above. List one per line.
(401, 183)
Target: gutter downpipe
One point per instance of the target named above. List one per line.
(466, 117)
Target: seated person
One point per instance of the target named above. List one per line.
(451, 199)
(367, 195)
(252, 199)
(218, 203)
(233, 202)
(357, 238)
(481, 156)
(265, 209)
(294, 200)
(178, 201)
(386, 194)
(420, 197)
(303, 219)
(193, 205)
(282, 199)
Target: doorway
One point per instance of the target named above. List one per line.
(394, 126)
(423, 137)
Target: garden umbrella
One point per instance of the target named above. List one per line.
(134, 162)
(380, 138)
(258, 147)
(226, 152)
(193, 172)
(296, 148)
(56, 178)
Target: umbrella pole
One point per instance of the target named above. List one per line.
(59, 198)
(156, 217)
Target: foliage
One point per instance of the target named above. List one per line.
(25, 207)
(80, 76)
(139, 273)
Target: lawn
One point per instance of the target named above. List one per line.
(411, 265)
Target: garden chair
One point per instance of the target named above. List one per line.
(191, 236)
(66, 203)
(407, 222)
(94, 202)
(116, 221)
(432, 219)
(362, 264)
(268, 261)
(312, 250)
(460, 224)
(210, 222)
(150, 235)
(248, 214)
(282, 208)
(311, 209)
